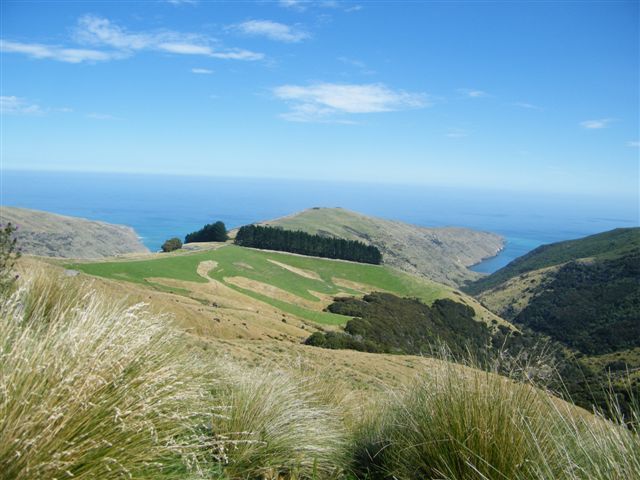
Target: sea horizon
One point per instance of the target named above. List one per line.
(160, 206)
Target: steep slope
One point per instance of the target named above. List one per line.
(584, 293)
(440, 254)
(607, 244)
(51, 235)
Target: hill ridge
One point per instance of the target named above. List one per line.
(442, 254)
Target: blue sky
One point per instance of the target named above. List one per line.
(536, 96)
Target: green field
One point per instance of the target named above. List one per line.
(233, 261)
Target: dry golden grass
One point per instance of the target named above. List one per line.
(94, 388)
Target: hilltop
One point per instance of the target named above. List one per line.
(52, 235)
(439, 254)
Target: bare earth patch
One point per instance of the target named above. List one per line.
(243, 265)
(298, 271)
(357, 286)
(205, 267)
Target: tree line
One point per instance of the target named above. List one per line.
(296, 241)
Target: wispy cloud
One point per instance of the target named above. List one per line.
(182, 2)
(327, 101)
(345, 6)
(202, 71)
(596, 124)
(10, 105)
(526, 105)
(98, 32)
(299, 5)
(101, 31)
(634, 144)
(302, 5)
(61, 54)
(271, 30)
(472, 93)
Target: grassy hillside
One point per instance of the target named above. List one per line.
(120, 393)
(297, 285)
(609, 244)
(440, 254)
(51, 235)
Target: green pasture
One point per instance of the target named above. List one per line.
(233, 261)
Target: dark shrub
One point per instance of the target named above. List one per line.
(171, 245)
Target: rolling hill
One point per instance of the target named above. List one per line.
(51, 235)
(439, 254)
(287, 284)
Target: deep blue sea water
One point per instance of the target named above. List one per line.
(162, 206)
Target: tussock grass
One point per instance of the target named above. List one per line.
(275, 427)
(94, 389)
(91, 388)
(597, 447)
(461, 423)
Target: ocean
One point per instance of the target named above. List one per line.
(163, 206)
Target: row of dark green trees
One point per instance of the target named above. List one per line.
(271, 238)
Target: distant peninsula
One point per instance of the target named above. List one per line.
(52, 235)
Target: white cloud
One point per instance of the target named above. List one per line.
(237, 54)
(526, 105)
(299, 5)
(271, 30)
(10, 105)
(101, 32)
(182, 2)
(345, 6)
(472, 93)
(302, 5)
(61, 54)
(183, 48)
(323, 100)
(202, 71)
(596, 124)
(635, 144)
